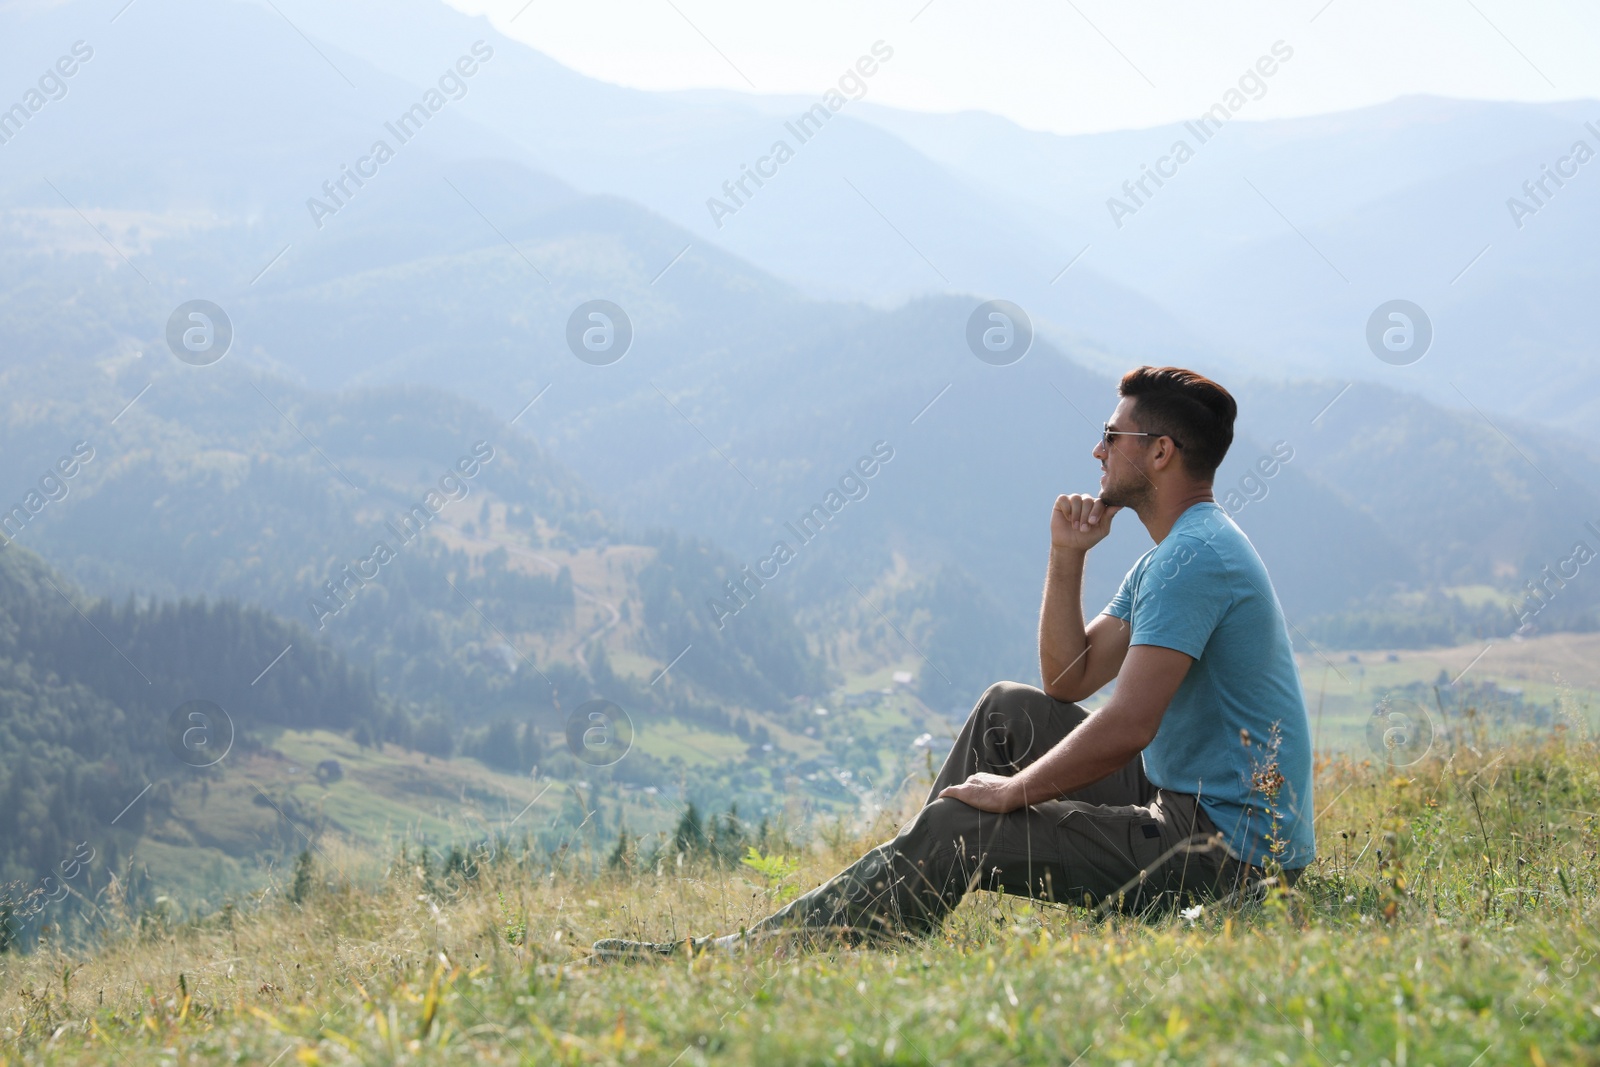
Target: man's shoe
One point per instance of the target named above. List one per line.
(618, 950)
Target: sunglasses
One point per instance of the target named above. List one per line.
(1107, 433)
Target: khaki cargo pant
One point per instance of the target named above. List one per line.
(1121, 843)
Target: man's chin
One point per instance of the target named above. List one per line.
(1116, 497)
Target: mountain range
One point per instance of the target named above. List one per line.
(397, 317)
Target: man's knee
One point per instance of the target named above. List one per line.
(938, 826)
(1013, 720)
(1010, 692)
(1005, 700)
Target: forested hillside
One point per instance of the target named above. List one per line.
(88, 690)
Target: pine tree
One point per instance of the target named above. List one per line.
(690, 835)
(303, 873)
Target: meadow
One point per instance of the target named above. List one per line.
(1449, 919)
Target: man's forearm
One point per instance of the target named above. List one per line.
(1063, 640)
(1101, 745)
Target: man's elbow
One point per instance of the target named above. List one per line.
(1065, 692)
(1134, 730)
(1073, 685)
(1141, 730)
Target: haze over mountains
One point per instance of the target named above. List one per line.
(1391, 201)
(386, 327)
(1400, 199)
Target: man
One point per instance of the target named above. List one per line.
(1194, 779)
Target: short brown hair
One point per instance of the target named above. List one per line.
(1190, 408)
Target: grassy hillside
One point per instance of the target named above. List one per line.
(1450, 918)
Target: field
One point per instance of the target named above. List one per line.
(1534, 682)
(1450, 919)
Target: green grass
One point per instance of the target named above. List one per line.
(1450, 919)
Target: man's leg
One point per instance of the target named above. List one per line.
(1089, 845)
(1135, 855)
(1014, 724)
(908, 884)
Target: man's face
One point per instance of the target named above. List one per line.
(1124, 482)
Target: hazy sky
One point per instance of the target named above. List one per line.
(1077, 65)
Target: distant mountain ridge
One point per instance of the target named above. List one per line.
(1412, 198)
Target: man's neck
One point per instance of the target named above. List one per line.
(1163, 512)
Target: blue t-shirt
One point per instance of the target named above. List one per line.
(1236, 733)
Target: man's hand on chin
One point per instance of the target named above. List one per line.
(987, 792)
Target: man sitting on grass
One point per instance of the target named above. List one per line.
(1194, 779)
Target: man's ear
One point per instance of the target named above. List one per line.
(1166, 454)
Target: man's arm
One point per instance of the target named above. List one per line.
(1099, 746)
(1076, 661)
